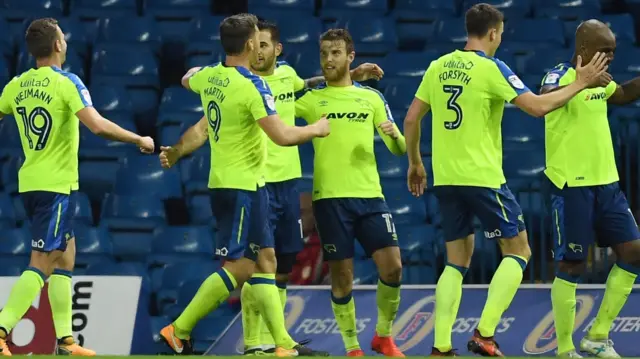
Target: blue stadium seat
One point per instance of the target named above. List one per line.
(132, 212)
(177, 9)
(6, 43)
(527, 164)
(211, 327)
(419, 274)
(622, 26)
(364, 272)
(7, 214)
(10, 171)
(97, 177)
(520, 128)
(567, 13)
(94, 147)
(372, 37)
(389, 165)
(93, 245)
(189, 242)
(82, 213)
(414, 36)
(417, 243)
(539, 33)
(179, 106)
(133, 269)
(143, 174)
(198, 176)
(170, 135)
(298, 32)
(140, 31)
(306, 160)
(10, 138)
(282, 6)
(510, 9)
(99, 9)
(77, 34)
(304, 58)
(203, 53)
(408, 64)
(627, 59)
(336, 9)
(424, 10)
(127, 65)
(204, 32)
(131, 246)
(13, 266)
(73, 63)
(24, 9)
(15, 241)
(110, 99)
(451, 31)
(544, 61)
(400, 94)
(159, 346)
(403, 206)
(19, 210)
(200, 210)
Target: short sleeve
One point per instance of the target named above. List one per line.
(75, 93)
(504, 83)
(382, 110)
(198, 80)
(304, 108)
(298, 83)
(422, 93)
(260, 102)
(553, 77)
(611, 89)
(5, 102)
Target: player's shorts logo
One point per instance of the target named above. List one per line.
(222, 252)
(493, 234)
(37, 244)
(330, 248)
(542, 338)
(576, 248)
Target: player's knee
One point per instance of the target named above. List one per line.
(241, 269)
(516, 246)
(44, 261)
(629, 253)
(460, 251)
(266, 262)
(389, 264)
(341, 277)
(571, 268)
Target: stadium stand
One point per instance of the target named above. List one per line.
(136, 219)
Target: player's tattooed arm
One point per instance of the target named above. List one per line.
(195, 137)
(626, 93)
(363, 72)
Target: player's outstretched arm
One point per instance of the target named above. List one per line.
(187, 76)
(626, 93)
(416, 175)
(540, 105)
(194, 138)
(284, 135)
(104, 128)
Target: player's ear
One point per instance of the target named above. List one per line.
(493, 34)
(278, 49)
(351, 56)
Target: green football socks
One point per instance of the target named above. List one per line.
(267, 298)
(344, 309)
(503, 288)
(213, 291)
(23, 293)
(563, 301)
(448, 296)
(60, 300)
(388, 300)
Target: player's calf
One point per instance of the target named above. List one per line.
(389, 266)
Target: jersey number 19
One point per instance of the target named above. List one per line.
(30, 126)
(453, 105)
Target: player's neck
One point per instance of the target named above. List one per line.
(477, 45)
(48, 62)
(267, 72)
(236, 61)
(343, 82)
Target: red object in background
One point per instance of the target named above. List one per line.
(43, 340)
(309, 268)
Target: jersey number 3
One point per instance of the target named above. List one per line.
(453, 105)
(214, 118)
(42, 131)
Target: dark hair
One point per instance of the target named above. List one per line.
(480, 18)
(235, 31)
(271, 27)
(41, 36)
(337, 35)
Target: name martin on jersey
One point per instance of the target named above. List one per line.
(457, 71)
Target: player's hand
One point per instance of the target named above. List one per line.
(389, 129)
(416, 179)
(367, 71)
(322, 127)
(602, 81)
(168, 156)
(146, 145)
(591, 72)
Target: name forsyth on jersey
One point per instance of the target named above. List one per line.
(457, 73)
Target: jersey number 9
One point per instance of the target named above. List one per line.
(453, 105)
(214, 118)
(30, 126)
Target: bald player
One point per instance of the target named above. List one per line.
(587, 205)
